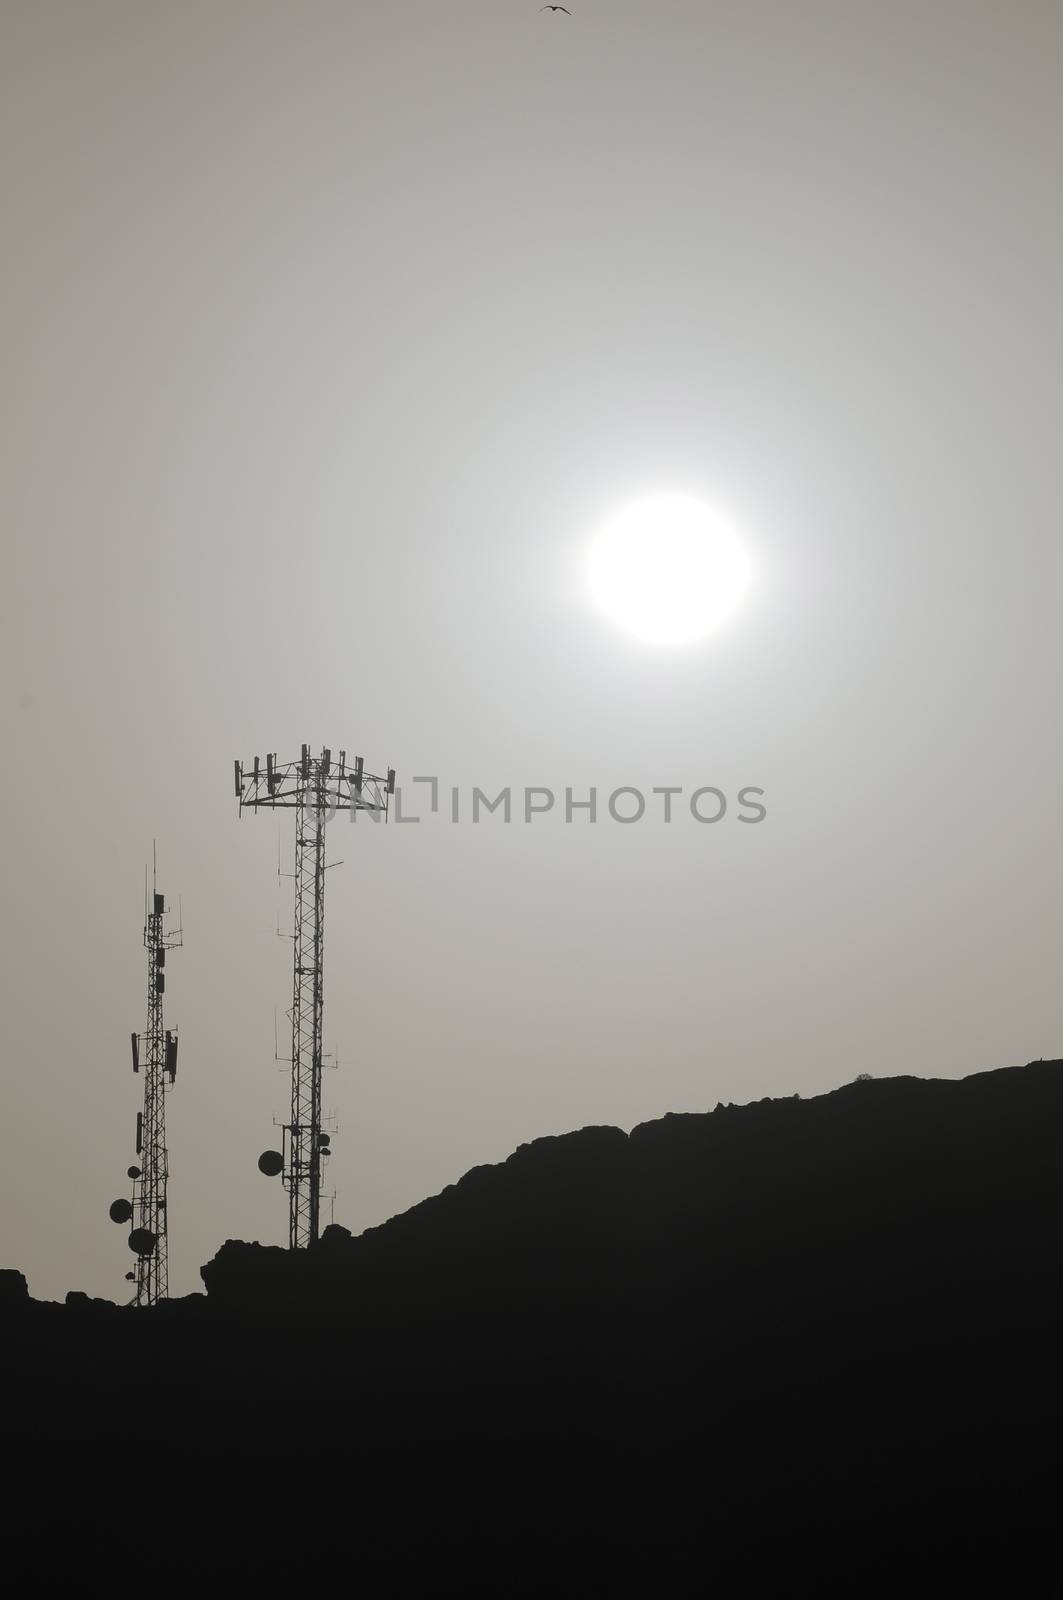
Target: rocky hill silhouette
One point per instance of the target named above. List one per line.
(800, 1325)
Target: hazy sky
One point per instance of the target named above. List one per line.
(331, 333)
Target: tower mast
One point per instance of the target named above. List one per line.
(156, 1051)
(315, 787)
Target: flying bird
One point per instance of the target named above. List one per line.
(556, 8)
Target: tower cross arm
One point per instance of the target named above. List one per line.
(325, 780)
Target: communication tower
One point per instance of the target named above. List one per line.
(154, 1051)
(315, 787)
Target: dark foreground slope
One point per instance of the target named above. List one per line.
(825, 1331)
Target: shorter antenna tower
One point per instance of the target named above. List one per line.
(155, 1051)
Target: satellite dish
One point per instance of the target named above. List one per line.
(324, 1141)
(271, 1162)
(120, 1211)
(131, 1277)
(134, 1172)
(142, 1241)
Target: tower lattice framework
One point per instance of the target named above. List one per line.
(155, 1057)
(315, 787)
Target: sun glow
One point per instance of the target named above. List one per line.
(669, 569)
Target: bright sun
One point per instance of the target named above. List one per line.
(668, 569)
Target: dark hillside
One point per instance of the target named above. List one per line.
(770, 1323)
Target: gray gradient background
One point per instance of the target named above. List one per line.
(331, 333)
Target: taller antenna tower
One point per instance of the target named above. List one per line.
(147, 1209)
(315, 787)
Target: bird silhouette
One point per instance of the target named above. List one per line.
(556, 8)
